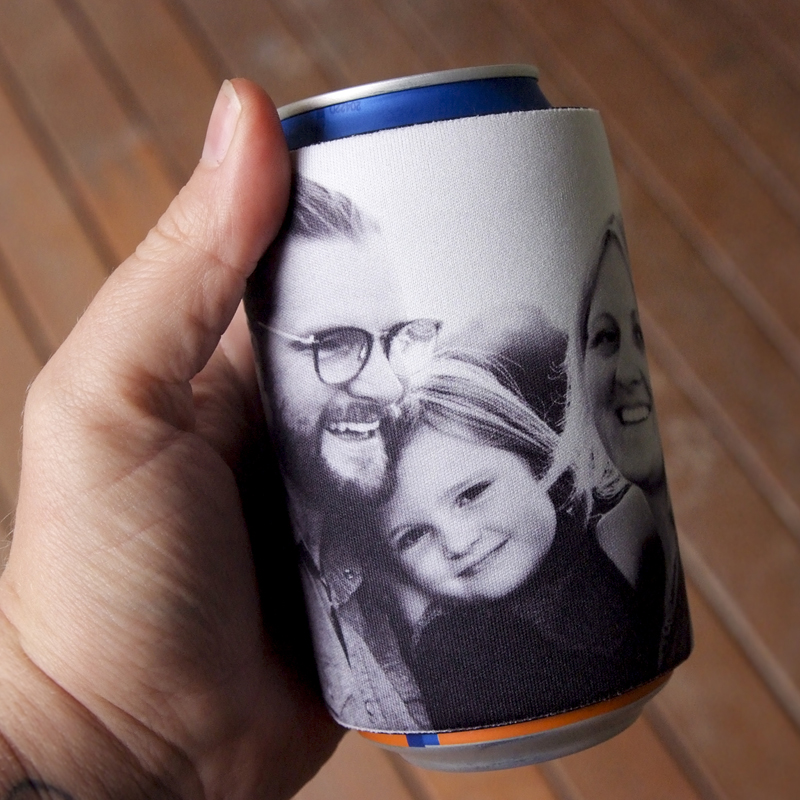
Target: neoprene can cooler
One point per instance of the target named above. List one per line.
(453, 370)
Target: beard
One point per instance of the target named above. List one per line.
(336, 464)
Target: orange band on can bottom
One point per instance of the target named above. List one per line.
(518, 728)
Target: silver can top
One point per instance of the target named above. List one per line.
(410, 82)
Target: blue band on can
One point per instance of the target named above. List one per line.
(379, 112)
(422, 739)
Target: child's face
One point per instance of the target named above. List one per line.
(467, 521)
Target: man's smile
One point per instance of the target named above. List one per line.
(352, 444)
(354, 431)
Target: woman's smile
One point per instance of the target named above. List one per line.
(632, 415)
(617, 381)
(632, 405)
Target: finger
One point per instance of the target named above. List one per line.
(225, 393)
(159, 317)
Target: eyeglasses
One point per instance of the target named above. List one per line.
(341, 353)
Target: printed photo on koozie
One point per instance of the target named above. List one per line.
(454, 374)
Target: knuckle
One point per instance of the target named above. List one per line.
(185, 230)
(62, 396)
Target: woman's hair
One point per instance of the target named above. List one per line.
(460, 396)
(580, 445)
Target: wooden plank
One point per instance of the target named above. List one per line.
(19, 366)
(732, 528)
(154, 70)
(45, 251)
(774, 26)
(465, 34)
(469, 34)
(728, 719)
(367, 48)
(253, 39)
(358, 770)
(734, 86)
(60, 171)
(741, 621)
(114, 166)
(633, 764)
(404, 17)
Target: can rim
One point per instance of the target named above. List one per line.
(471, 736)
(409, 82)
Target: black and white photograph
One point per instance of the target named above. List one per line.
(455, 340)
(455, 379)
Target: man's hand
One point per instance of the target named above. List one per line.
(134, 659)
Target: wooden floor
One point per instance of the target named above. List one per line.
(103, 105)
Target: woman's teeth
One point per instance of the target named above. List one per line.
(630, 415)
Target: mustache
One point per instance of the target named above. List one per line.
(360, 411)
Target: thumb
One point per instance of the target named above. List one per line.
(159, 317)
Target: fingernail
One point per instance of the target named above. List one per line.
(222, 125)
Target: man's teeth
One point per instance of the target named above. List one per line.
(361, 428)
(629, 416)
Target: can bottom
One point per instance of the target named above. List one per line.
(529, 748)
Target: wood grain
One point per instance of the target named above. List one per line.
(633, 764)
(103, 106)
(55, 272)
(728, 719)
(136, 45)
(738, 91)
(366, 49)
(687, 292)
(254, 42)
(114, 164)
(357, 770)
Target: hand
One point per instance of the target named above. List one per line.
(134, 656)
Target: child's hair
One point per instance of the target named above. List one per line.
(462, 397)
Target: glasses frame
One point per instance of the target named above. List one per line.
(313, 342)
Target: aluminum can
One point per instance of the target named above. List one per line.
(453, 371)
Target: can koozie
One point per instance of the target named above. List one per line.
(454, 373)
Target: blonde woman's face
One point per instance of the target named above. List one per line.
(467, 521)
(617, 381)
